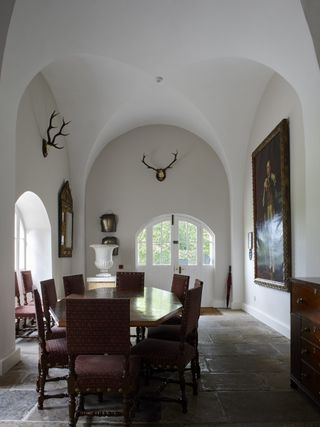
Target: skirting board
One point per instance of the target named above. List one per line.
(9, 361)
(280, 327)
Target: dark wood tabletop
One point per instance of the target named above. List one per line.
(148, 308)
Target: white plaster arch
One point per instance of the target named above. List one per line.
(38, 230)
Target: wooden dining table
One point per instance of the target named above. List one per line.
(148, 308)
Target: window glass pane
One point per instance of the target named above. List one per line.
(161, 243)
(142, 235)
(142, 247)
(187, 243)
(207, 249)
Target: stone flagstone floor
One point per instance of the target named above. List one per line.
(244, 383)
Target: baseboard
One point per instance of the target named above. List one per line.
(9, 361)
(280, 327)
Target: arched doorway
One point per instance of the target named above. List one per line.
(177, 243)
(33, 237)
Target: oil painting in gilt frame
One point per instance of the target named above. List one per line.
(271, 209)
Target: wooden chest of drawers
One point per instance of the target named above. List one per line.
(305, 336)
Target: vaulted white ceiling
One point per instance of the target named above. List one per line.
(101, 60)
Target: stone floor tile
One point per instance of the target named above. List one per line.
(232, 381)
(15, 404)
(268, 406)
(244, 363)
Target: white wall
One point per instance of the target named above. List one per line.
(43, 176)
(279, 101)
(196, 185)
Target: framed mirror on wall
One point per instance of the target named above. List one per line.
(65, 221)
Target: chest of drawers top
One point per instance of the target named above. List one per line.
(305, 297)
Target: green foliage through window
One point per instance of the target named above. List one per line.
(161, 243)
(142, 247)
(187, 243)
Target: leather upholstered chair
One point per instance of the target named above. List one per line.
(127, 281)
(130, 281)
(22, 312)
(98, 337)
(175, 355)
(27, 286)
(52, 354)
(73, 284)
(179, 286)
(49, 299)
(172, 332)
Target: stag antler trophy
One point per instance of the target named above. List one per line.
(51, 140)
(161, 172)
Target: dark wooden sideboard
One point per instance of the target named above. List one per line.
(305, 335)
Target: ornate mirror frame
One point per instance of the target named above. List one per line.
(65, 221)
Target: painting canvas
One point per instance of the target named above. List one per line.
(271, 205)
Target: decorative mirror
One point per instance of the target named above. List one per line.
(65, 221)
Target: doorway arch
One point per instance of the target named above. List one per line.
(38, 247)
(177, 244)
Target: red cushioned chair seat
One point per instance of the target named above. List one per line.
(58, 332)
(94, 372)
(57, 352)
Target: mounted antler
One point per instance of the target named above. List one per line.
(161, 172)
(51, 141)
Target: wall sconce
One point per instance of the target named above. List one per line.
(250, 244)
(108, 223)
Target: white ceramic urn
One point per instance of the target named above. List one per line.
(103, 259)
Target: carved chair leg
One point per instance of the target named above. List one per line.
(126, 410)
(196, 339)
(38, 378)
(81, 401)
(72, 409)
(194, 376)
(42, 383)
(182, 382)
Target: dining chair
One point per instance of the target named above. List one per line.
(49, 300)
(98, 340)
(175, 355)
(179, 286)
(73, 284)
(28, 286)
(22, 312)
(172, 332)
(52, 354)
(131, 281)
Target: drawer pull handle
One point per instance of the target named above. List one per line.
(300, 301)
(307, 330)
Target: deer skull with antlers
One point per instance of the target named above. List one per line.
(161, 172)
(51, 140)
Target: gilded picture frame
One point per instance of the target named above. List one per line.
(271, 209)
(65, 207)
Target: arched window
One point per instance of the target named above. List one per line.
(175, 240)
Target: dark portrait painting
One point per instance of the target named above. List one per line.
(271, 209)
